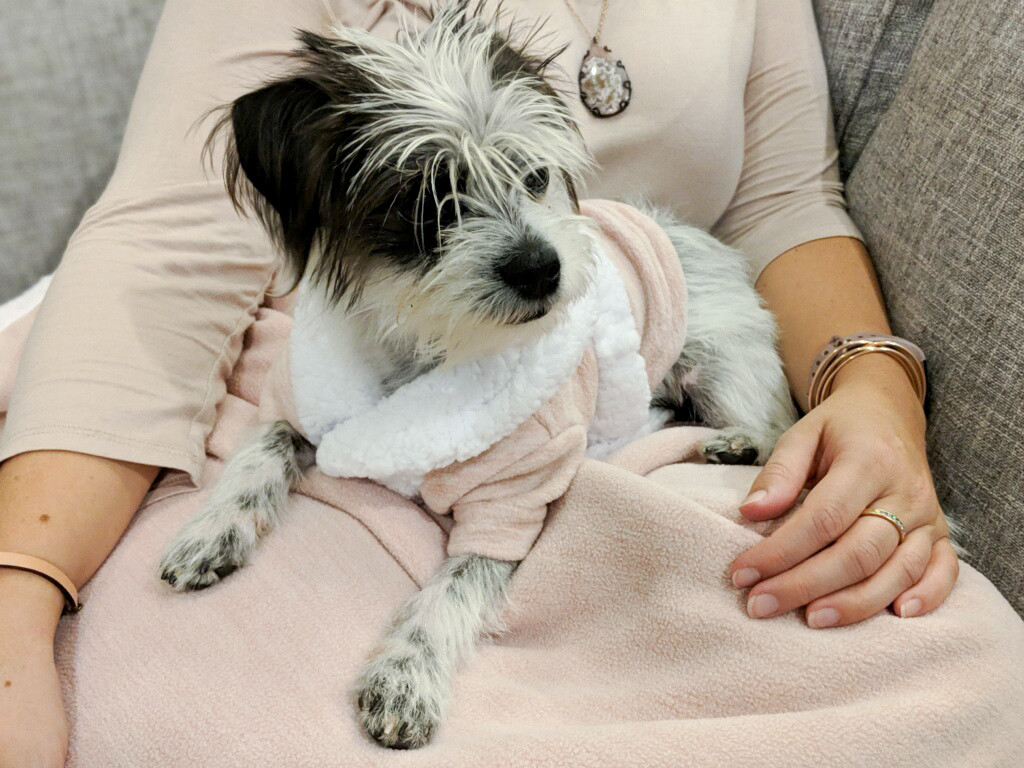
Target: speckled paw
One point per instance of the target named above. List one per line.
(193, 561)
(399, 704)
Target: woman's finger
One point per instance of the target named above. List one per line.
(934, 587)
(780, 481)
(876, 593)
(857, 556)
(829, 510)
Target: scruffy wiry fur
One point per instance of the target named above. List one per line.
(397, 174)
(243, 507)
(729, 370)
(427, 187)
(406, 688)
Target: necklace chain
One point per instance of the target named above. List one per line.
(600, 24)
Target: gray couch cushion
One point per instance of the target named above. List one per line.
(67, 74)
(867, 46)
(938, 192)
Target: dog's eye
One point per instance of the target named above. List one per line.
(536, 182)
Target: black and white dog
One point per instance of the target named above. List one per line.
(426, 186)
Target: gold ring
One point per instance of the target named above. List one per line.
(890, 517)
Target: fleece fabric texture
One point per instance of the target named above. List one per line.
(492, 441)
(625, 642)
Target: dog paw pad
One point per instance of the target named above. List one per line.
(730, 447)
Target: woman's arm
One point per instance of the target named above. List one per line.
(69, 509)
(130, 350)
(818, 290)
(864, 447)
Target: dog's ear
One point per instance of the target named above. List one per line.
(281, 156)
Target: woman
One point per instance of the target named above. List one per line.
(728, 125)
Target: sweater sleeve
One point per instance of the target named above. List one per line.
(789, 190)
(144, 320)
(499, 499)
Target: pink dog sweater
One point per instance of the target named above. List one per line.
(492, 441)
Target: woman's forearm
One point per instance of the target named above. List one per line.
(67, 508)
(824, 288)
(863, 448)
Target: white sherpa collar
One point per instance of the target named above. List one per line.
(451, 414)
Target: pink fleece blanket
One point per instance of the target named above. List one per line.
(626, 645)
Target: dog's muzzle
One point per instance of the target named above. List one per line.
(532, 269)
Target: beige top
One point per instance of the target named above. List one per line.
(729, 126)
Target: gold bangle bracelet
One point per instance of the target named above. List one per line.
(48, 571)
(842, 349)
(831, 368)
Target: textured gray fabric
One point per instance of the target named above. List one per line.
(939, 194)
(67, 74)
(867, 46)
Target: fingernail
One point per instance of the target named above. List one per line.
(910, 608)
(826, 617)
(754, 496)
(762, 606)
(745, 577)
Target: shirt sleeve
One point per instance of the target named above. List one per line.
(500, 499)
(501, 516)
(789, 190)
(144, 320)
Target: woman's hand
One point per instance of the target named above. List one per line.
(862, 448)
(33, 726)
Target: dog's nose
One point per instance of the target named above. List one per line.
(532, 270)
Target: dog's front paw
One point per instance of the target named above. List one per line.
(401, 699)
(733, 445)
(197, 558)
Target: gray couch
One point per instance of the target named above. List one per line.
(929, 107)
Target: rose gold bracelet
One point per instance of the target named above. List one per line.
(48, 571)
(842, 349)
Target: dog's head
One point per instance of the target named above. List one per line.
(428, 182)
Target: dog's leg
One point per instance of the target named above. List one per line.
(242, 508)
(406, 686)
(730, 367)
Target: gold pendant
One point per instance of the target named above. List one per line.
(605, 88)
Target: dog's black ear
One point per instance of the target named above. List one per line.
(280, 154)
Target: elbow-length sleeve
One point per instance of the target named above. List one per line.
(789, 190)
(144, 319)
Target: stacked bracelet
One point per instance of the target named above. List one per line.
(48, 571)
(842, 349)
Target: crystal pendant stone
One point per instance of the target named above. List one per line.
(604, 83)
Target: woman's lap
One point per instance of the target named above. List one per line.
(625, 642)
(250, 671)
